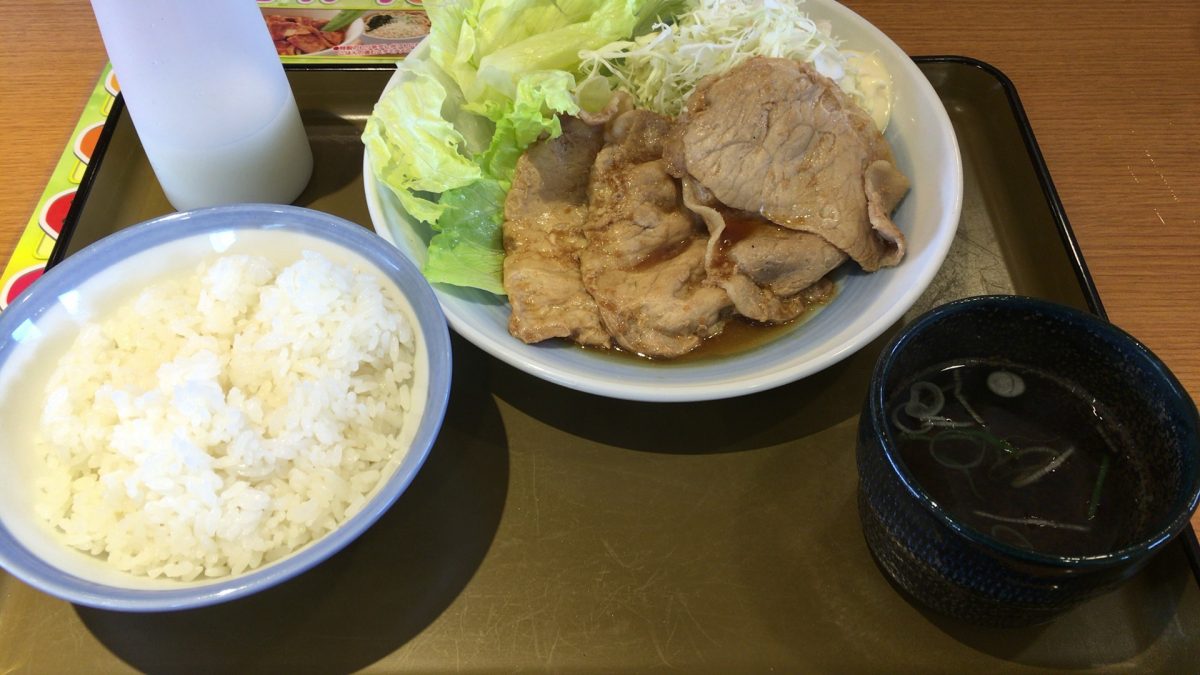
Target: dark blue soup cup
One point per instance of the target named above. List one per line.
(956, 570)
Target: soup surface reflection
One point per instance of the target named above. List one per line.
(1021, 455)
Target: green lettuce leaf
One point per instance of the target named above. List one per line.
(540, 98)
(414, 149)
(501, 70)
(468, 249)
(555, 48)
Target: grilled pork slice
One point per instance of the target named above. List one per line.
(773, 137)
(544, 214)
(644, 258)
(771, 273)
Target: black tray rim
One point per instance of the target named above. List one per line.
(1091, 295)
(1062, 223)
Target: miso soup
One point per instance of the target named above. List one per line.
(1020, 455)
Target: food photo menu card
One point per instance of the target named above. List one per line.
(312, 29)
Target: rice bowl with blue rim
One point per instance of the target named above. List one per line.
(82, 290)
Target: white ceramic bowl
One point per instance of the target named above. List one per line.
(926, 151)
(43, 321)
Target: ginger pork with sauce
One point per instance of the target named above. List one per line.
(649, 234)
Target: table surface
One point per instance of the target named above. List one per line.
(1108, 86)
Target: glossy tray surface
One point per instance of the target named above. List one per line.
(551, 529)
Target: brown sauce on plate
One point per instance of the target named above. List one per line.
(739, 225)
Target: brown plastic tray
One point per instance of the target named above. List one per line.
(556, 530)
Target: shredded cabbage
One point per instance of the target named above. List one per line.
(660, 69)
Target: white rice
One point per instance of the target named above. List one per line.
(219, 422)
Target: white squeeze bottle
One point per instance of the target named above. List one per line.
(209, 99)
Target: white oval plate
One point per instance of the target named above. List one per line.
(926, 150)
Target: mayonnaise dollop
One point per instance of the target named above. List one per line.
(866, 75)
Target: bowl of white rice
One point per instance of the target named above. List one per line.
(206, 404)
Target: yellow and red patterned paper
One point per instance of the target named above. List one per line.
(41, 231)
